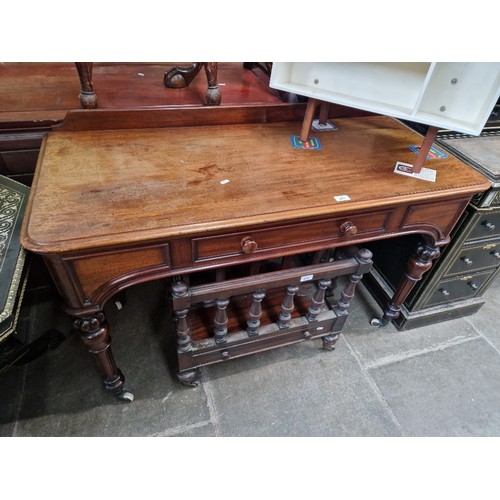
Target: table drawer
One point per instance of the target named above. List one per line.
(101, 271)
(304, 234)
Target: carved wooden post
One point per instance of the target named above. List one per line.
(220, 321)
(88, 99)
(183, 332)
(94, 331)
(255, 313)
(418, 264)
(318, 299)
(179, 77)
(180, 289)
(363, 257)
(287, 306)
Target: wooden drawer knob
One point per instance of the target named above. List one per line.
(248, 244)
(348, 228)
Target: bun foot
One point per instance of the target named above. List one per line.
(88, 100)
(329, 341)
(213, 97)
(181, 77)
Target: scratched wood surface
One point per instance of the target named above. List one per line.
(115, 186)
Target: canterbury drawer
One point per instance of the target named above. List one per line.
(461, 287)
(309, 233)
(474, 257)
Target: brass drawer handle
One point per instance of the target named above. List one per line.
(248, 244)
(348, 228)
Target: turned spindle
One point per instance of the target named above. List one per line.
(287, 306)
(318, 299)
(255, 312)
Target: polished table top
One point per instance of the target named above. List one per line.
(95, 188)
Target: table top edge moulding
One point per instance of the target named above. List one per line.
(125, 186)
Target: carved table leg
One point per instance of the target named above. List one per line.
(180, 77)
(88, 99)
(418, 264)
(94, 331)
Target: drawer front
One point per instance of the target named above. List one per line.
(94, 272)
(265, 240)
(473, 258)
(488, 224)
(461, 287)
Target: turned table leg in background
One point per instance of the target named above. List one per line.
(213, 96)
(88, 99)
(94, 332)
(418, 264)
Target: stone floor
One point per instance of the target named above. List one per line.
(441, 380)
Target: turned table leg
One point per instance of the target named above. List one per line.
(418, 264)
(94, 332)
(88, 99)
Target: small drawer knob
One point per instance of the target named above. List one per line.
(467, 261)
(495, 254)
(248, 244)
(307, 335)
(225, 355)
(488, 225)
(474, 286)
(444, 292)
(348, 228)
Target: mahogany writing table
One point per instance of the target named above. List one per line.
(112, 208)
